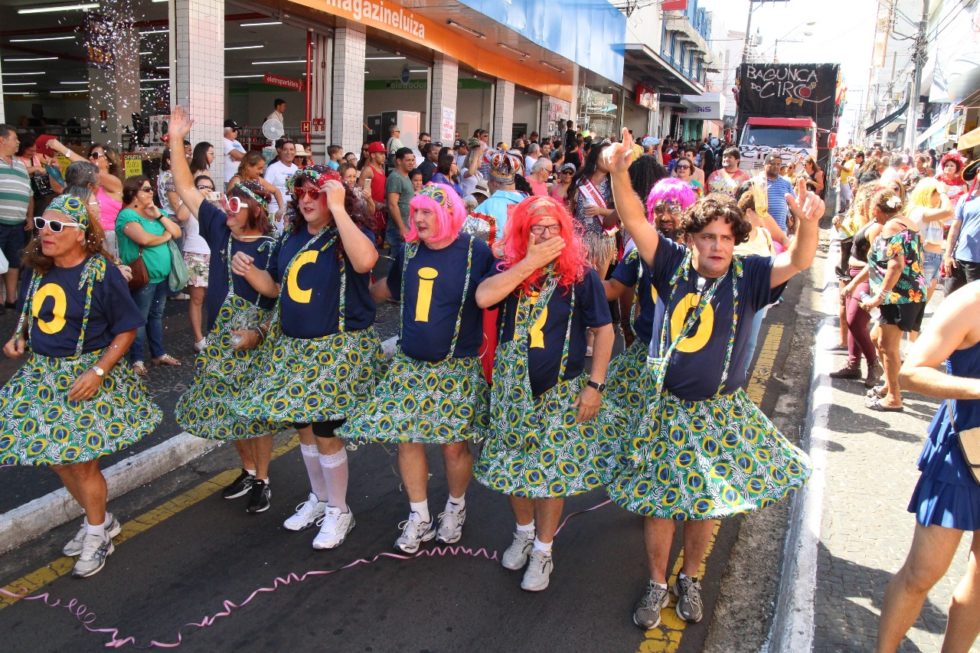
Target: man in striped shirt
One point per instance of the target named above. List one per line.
(16, 204)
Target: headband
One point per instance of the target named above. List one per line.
(437, 195)
(318, 174)
(261, 201)
(70, 206)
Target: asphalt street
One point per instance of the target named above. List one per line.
(186, 556)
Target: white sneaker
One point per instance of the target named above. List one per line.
(414, 532)
(200, 345)
(74, 546)
(515, 557)
(538, 572)
(451, 526)
(334, 527)
(307, 514)
(95, 549)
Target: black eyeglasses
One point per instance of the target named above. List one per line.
(96, 155)
(146, 189)
(57, 226)
(206, 188)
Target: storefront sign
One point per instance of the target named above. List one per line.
(284, 82)
(646, 97)
(133, 164)
(708, 106)
(304, 126)
(391, 18)
(674, 5)
(558, 110)
(448, 134)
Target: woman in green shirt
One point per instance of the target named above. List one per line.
(142, 229)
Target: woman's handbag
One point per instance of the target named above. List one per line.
(140, 276)
(179, 274)
(969, 444)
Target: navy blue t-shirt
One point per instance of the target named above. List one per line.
(58, 307)
(437, 277)
(629, 273)
(215, 231)
(695, 368)
(309, 303)
(547, 340)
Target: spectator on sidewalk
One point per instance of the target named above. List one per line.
(400, 192)
(16, 204)
(234, 151)
(946, 500)
(961, 262)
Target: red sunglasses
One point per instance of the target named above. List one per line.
(303, 191)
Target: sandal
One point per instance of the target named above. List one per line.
(876, 392)
(166, 359)
(874, 403)
(139, 367)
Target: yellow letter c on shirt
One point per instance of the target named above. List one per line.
(297, 294)
(700, 338)
(57, 321)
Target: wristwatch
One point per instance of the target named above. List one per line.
(599, 387)
(99, 372)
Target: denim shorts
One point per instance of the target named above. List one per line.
(930, 266)
(13, 237)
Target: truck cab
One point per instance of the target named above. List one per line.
(794, 139)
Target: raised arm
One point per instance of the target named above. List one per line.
(359, 248)
(617, 158)
(954, 326)
(177, 130)
(807, 208)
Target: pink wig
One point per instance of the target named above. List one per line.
(448, 208)
(670, 189)
(571, 264)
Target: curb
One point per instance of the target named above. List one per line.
(36, 517)
(40, 515)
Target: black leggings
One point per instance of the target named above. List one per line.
(323, 429)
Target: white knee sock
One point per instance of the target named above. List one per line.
(421, 508)
(544, 547)
(455, 504)
(335, 474)
(526, 528)
(311, 458)
(96, 529)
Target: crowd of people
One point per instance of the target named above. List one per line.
(514, 267)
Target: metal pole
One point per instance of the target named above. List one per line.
(748, 32)
(919, 58)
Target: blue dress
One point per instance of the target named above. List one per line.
(946, 494)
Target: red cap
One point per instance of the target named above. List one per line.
(376, 146)
(42, 144)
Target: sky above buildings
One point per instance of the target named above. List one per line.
(841, 32)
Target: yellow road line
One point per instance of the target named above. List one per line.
(666, 637)
(35, 580)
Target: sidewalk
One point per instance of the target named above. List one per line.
(864, 474)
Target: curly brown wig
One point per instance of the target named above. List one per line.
(714, 207)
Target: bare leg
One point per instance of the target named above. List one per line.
(964, 608)
(928, 560)
(459, 467)
(262, 454)
(523, 509)
(891, 342)
(414, 469)
(10, 281)
(195, 310)
(245, 453)
(697, 539)
(658, 535)
(547, 514)
(85, 482)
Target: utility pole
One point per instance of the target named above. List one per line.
(919, 59)
(748, 32)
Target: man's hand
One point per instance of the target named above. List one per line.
(807, 205)
(541, 254)
(948, 265)
(618, 156)
(15, 347)
(247, 339)
(126, 271)
(588, 404)
(85, 386)
(336, 192)
(179, 125)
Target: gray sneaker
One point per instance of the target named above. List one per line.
(689, 606)
(74, 546)
(515, 557)
(451, 526)
(538, 572)
(646, 614)
(414, 532)
(95, 549)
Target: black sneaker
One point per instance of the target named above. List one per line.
(239, 487)
(259, 496)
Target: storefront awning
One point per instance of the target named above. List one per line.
(940, 124)
(642, 63)
(887, 119)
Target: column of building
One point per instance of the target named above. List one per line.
(445, 84)
(113, 76)
(347, 114)
(503, 112)
(197, 75)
